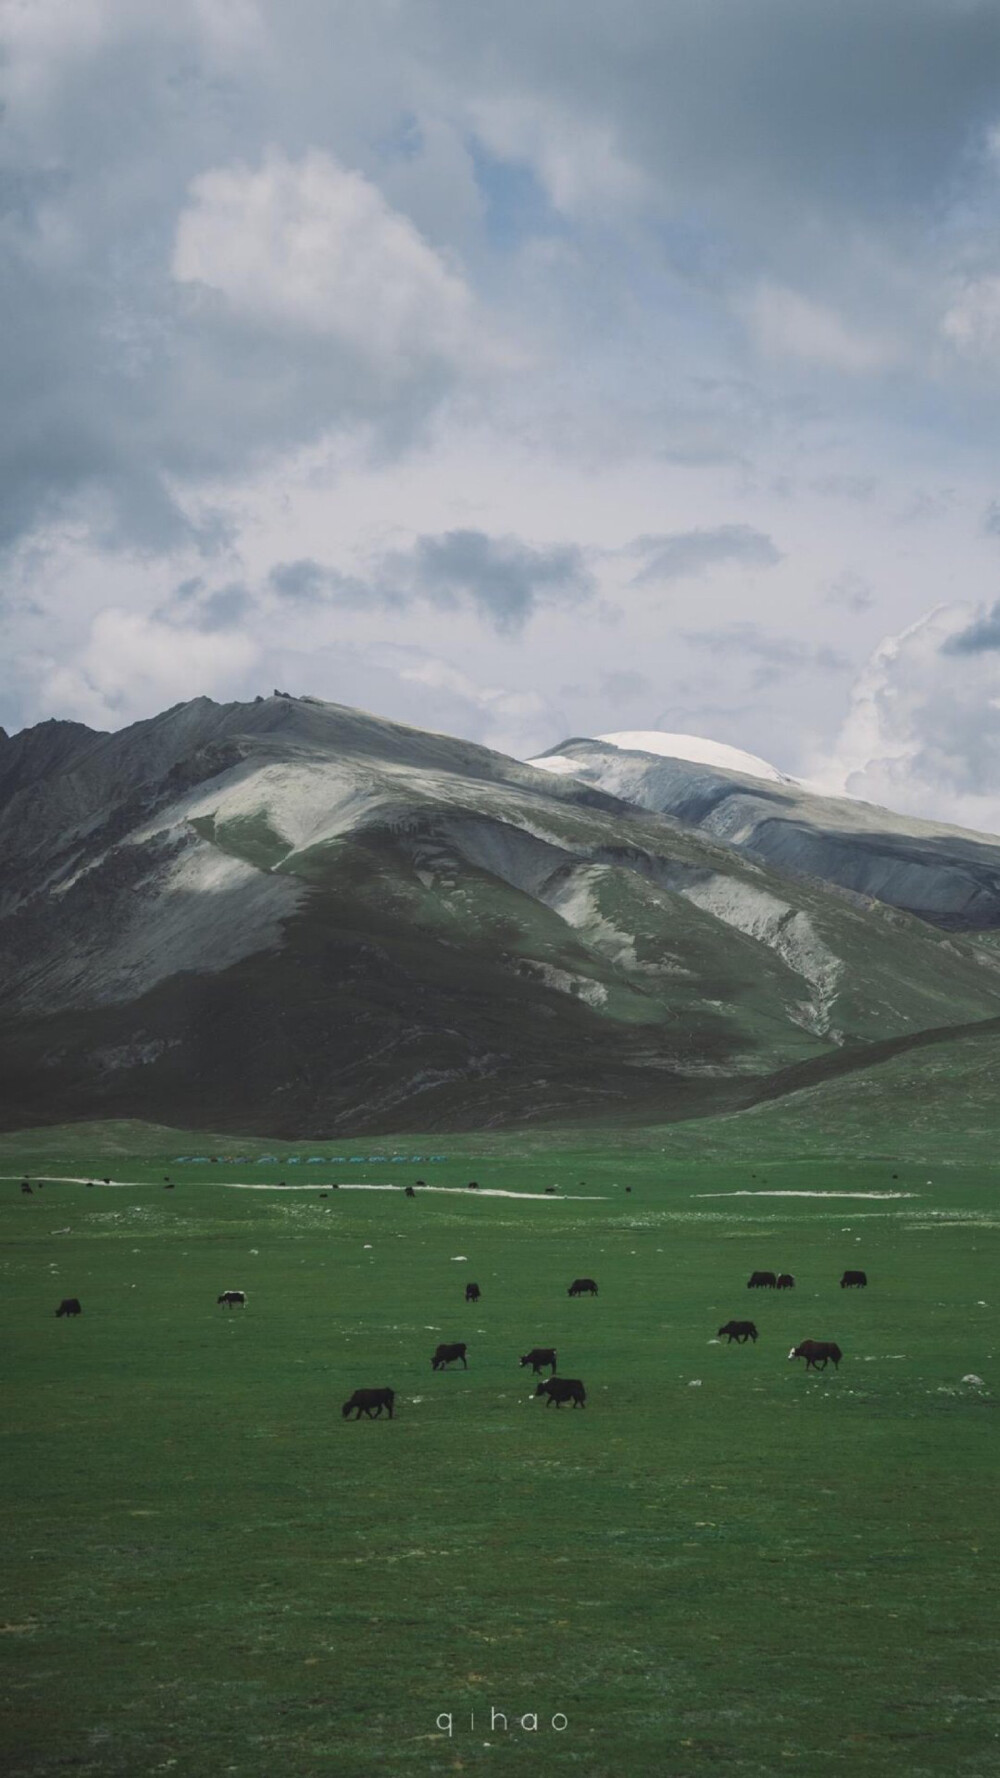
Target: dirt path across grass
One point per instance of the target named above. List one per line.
(344, 1185)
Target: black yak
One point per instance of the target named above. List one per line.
(539, 1357)
(70, 1305)
(785, 1281)
(817, 1352)
(448, 1354)
(762, 1281)
(560, 1389)
(740, 1331)
(472, 1293)
(232, 1298)
(582, 1287)
(854, 1281)
(369, 1402)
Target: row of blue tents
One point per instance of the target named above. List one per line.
(312, 1160)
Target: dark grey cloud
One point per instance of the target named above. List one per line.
(981, 637)
(503, 579)
(308, 582)
(304, 582)
(225, 608)
(676, 555)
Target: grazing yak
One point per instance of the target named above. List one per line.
(70, 1305)
(410, 1193)
(816, 1353)
(854, 1281)
(472, 1293)
(762, 1281)
(785, 1281)
(539, 1357)
(233, 1298)
(369, 1402)
(448, 1354)
(560, 1389)
(740, 1331)
(582, 1287)
(25, 1187)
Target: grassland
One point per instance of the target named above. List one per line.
(722, 1566)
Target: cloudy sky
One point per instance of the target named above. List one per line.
(522, 371)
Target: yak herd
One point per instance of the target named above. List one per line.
(371, 1402)
(817, 1353)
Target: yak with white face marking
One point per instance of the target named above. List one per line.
(818, 1353)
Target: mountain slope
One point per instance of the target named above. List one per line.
(292, 917)
(942, 874)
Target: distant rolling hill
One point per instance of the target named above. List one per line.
(292, 918)
(945, 875)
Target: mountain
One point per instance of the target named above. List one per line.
(945, 875)
(293, 918)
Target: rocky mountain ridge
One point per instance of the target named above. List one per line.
(292, 917)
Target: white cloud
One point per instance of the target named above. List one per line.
(578, 160)
(501, 717)
(972, 322)
(132, 665)
(785, 324)
(311, 245)
(922, 734)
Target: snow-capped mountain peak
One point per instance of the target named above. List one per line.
(694, 748)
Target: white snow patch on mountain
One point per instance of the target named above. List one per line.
(556, 763)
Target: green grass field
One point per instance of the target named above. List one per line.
(722, 1566)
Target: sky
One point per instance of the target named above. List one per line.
(522, 372)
